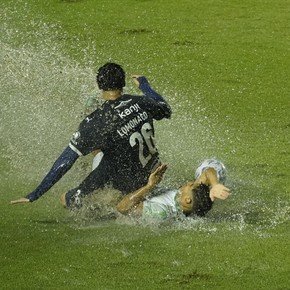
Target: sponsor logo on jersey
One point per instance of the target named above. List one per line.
(129, 111)
(133, 123)
(123, 103)
(75, 137)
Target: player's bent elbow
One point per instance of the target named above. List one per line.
(211, 176)
(210, 171)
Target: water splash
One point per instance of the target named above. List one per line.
(41, 102)
(43, 95)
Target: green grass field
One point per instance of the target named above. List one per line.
(224, 66)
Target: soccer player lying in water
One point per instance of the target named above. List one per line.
(193, 198)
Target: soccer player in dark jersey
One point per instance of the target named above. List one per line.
(122, 128)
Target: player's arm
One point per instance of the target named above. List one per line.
(146, 89)
(133, 200)
(63, 163)
(81, 144)
(217, 190)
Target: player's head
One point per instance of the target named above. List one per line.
(110, 77)
(194, 199)
(202, 202)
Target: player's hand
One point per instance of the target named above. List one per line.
(135, 79)
(219, 191)
(20, 200)
(156, 176)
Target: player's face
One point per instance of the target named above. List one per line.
(186, 198)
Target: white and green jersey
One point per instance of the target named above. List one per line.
(162, 206)
(165, 204)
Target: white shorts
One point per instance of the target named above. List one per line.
(216, 165)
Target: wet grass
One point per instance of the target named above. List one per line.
(44, 248)
(224, 68)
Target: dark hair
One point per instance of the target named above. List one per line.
(111, 76)
(202, 201)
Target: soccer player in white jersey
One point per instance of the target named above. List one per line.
(193, 198)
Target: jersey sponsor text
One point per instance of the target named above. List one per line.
(130, 110)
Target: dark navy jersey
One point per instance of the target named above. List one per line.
(123, 129)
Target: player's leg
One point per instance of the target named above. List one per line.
(95, 180)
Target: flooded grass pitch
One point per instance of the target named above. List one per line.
(222, 67)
